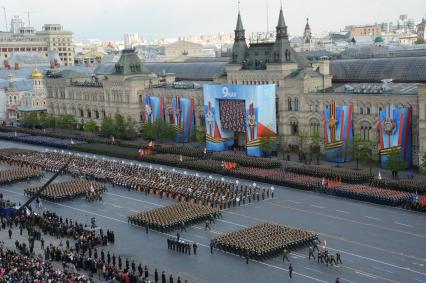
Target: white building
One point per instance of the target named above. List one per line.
(52, 38)
(16, 24)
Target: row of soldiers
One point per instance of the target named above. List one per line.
(175, 244)
(200, 190)
(331, 173)
(14, 175)
(174, 216)
(264, 240)
(69, 190)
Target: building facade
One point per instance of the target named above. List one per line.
(52, 38)
(85, 98)
(421, 31)
(371, 30)
(24, 98)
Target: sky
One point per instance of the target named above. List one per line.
(110, 19)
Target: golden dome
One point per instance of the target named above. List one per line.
(36, 74)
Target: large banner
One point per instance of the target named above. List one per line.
(153, 109)
(338, 132)
(256, 105)
(395, 132)
(183, 118)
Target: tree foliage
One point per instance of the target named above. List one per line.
(118, 126)
(265, 145)
(90, 126)
(395, 162)
(158, 130)
(200, 135)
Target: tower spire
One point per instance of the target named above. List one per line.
(281, 27)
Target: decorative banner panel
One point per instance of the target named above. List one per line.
(395, 132)
(183, 118)
(249, 110)
(338, 132)
(153, 109)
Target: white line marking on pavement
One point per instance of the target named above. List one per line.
(374, 218)
(292, 201)
(347, 280)
(402, 224)
(133, 210)
(342, 211)
(419, 280)
(134, 199)
(381, 269)
(382, 262)
(317, 206)
(229, 222)
(119, 214)
(169, 235)
(201, 237)
(367, 275)
(313, 269)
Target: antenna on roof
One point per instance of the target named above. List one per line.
(28, 15)
(267, 18)
(238, 6)
(5, 17)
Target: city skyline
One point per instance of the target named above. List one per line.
(109, 20)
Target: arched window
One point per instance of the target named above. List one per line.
(368, 111)
(314, 127)
(361, 110)
(294, 127)
(296, 104)
(290, 105)
(365, 132)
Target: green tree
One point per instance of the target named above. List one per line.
(66, 122)
(395, 162)
(265, 145)
(419, 41)
(302, 144)
(147, 131)
(30, 120)
(120, 124)
(158, 130)
(357, 148)
(90, 126)
(108, 127)
(48, 121)
(369, 154)
(200, 135)
(316, 146)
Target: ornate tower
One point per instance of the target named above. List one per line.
(39, 90)
(307, 35)
(283, 53)
(239, 49)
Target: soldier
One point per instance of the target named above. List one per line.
(319, 258)
(10, 234)
(194, 246)
(120, 263)
(208, 225)
(177, 236)
(290, 270)
(163, 277)
(311, 252)
(211, 246)
(285, 255)
(113, 260)
(156, 276)
(108, 258)
(338, 259)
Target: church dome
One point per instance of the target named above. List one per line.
(379, 39)
(36, 74)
